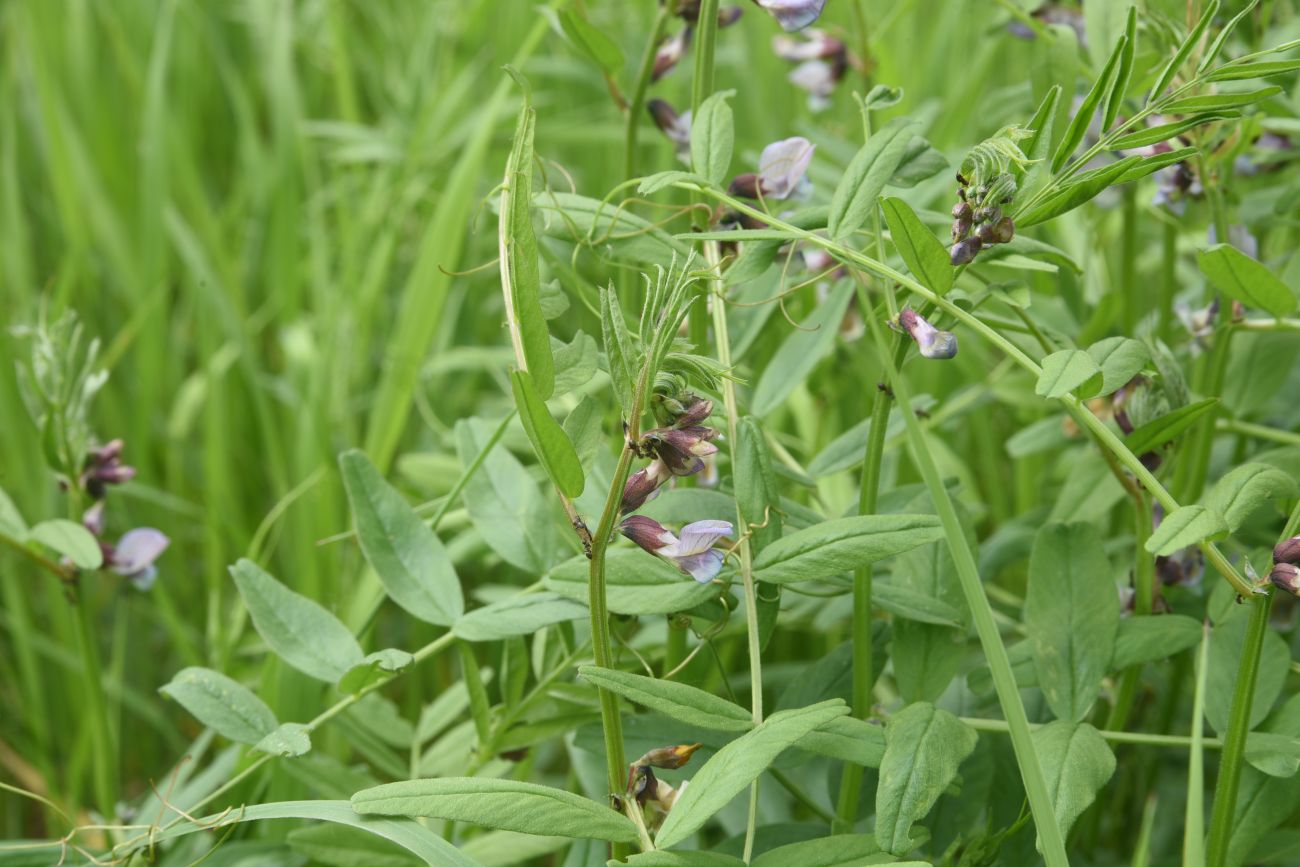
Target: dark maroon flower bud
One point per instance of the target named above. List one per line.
(697, 409)
(964, 252)
(643, 486)
(1288, 551)
(670, 51)
(688, 10)
(669, 757)
(745, 186)
(1004, 230)
(1286, 576)
(961, 228)
(961, 211)
(648, 533)
(104, 467)
(985, 234)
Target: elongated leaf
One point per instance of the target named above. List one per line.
(1067, 370)
(1071, 616)
(1185, 49)
(847, 739)
(757, 256)
(637, 583)
(1081, 189)
(1220, 101)
(619, 350)
(69, 539)
(518, 615)
(296, 628)
(607, 229)
(1275, 754)
(11, 520)
(1077, 763)
(1260, 69)
(826, 549)
(1162, 429)
(520, 277)
(1164, 132)
(925, 256)
(661, 858)
(757, 496)
(1184, 527)
(1148, 165)
(550, 442)
(340, 846)
(1120, 359)
(656, 182)
(407, 833)
(840, 850)
(924, 747)
(1123, 72)
(506, 804)
(674, 700)
(801, 351)
(1083, 117)
(1038, 145)
(226, 706)
(1245, 489)
(1226, 643)
(414, 567)
(1147, 638)
(1243, 278)
(1212, 53)
(907, 603)
(591, 41)
(867, 173)
(738, 764)
(713, 136)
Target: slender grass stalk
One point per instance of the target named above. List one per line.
(104, 760)
(1178, 742)
(1144, 566)
(1142, 849)
(705, 41)
(1031, 771)
(1194, 817)
(637, 106)
(755, 645)
(1075, 407)
(1234, 744)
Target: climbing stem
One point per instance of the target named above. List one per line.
(637, 106)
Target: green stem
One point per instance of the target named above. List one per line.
(1077, 410)
(705, 40)
(1031, 771)
(611, 723)
(1142, 738)
(637, 106)
(1198, 460)
(719, 309)
(1143, 599)
(104, 761)
(1194, 818)
(1234, 745)
(675, 646)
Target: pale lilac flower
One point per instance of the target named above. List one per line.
(693, 552)
(676, 126)
(932, 342)
(670, 52)
(818, 78)
(93, 519)
(682, 450)
(809, 45)
(134, 556)
(782, 170)
(793, 14)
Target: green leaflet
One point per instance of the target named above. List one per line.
(405, 553)
(297, 629)
(1077, 763)
(69, 539)
(713, 136)
(924, 746)
(1184, 527)
(1220, 101)
(867, 173)
(1226, 641)
(801, 351)
(1243, 278)
(831, 547)
(738, 764)
(288, 739)
(551, 444)
(226, 706)
(341, 846)
(11, 520)
(1124, 71)
(1071, 616)
(506, 804)
(520, 277)
(1161, 430)
(1066, 371)
(1120, 359)
(1144, 638)
(1247, 488)
(661, 858)
(674, 700)
(1260, 69)
(1074, 133)
(1166, 131)
(1184, 50)
(840, 850)
(375, 667)
(591, 41)
(925, 256)
(517, 615)
(620, 353)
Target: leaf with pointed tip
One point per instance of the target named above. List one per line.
(636, 583)
(296, 628)
(1077, 763)
(1162, 429)
(289, 739)
(1120, 359)
(674, 700)
(375, 667)
(226, 706)
(1245, 489)
(550, 443)
(713, 136)
(1185, 48)
(1185, 527)
(1245, 279)
(925, 256)
(69, 539)
(524, 614)
(867, 174)
(1066, 371)
(831, 547)
(1078, 127)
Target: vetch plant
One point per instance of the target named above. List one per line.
(647, 528)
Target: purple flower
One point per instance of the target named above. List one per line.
(682, 449)
(104, 467)
(670, 52)
(793, 14)
(643, 485)
(134, 556)
(1286, 576)
(693, 553)
(809, 45)
(676, 126)
(781, 171)
(818, 78)
(1288, 551)
(932, 342)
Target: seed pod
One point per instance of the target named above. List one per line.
(1286, 576)
(1288, 551)
(964, 252)
(985, 234)
(1003, 231)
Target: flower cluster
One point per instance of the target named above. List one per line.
(676, 450)
(978, 221)
(1286, 566)
(134, 554)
